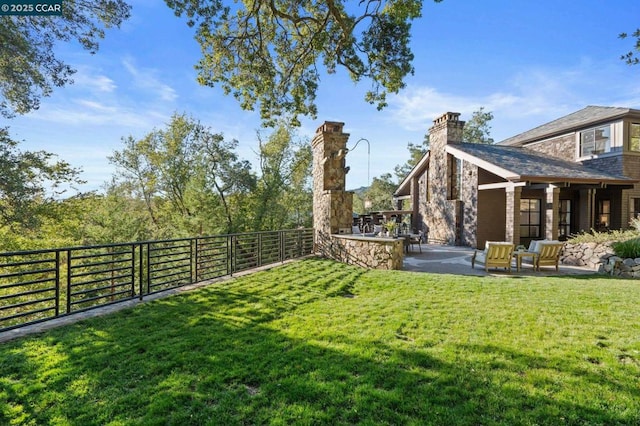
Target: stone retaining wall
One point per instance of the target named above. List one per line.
(600, 257)
(368, 252)
(591, 255)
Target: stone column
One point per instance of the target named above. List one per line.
(586, 209)
(332, 205)
(512, 228)
(551, 213)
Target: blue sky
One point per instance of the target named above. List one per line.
(527, 62)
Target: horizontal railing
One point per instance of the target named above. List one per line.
(41, 285)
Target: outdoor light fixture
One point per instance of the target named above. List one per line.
(367, 203)
(368, 156)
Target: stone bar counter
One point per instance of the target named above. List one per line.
(364, 251)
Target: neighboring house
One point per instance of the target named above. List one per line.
(577, 173)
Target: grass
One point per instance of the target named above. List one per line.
(318, 342)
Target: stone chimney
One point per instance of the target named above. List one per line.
(446, 129)
(441, 213)
(332, 205)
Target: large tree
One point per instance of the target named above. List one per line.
(28, 181)
(283, 196)
(477, 129)
(270, 54)
(29, 69)
(188, 178)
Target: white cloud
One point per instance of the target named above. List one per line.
(146, 79)
(529, 98)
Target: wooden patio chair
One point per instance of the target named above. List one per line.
(548, 254)
(495, 255)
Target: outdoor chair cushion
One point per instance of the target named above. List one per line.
(496, 254)
(548, 254)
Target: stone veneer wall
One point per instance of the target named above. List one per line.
(367, 252)
(563, 147)
(469, 199)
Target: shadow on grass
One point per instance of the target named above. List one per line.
(215, 357)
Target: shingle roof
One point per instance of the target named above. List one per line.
(524, 164)
(590, 115)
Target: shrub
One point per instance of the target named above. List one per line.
(629, 248)
(610, 236)
(603, 237)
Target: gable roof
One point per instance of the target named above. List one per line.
(520, 164)
(405, 186)
(590, 115)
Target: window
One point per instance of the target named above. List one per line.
(604, 214)
(595, 141)
(634, 137)
(455, 178)
(564, 218)
(530, 218)
(634, 208)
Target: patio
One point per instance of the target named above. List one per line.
(443, 259)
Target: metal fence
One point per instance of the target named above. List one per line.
(41, 285)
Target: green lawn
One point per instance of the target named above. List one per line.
(317, 342)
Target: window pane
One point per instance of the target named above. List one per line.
(587, 141)
(534, 231)
(634, 141)
(535, 206)
(635, 206)
(602, 140)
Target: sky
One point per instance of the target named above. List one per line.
(527, 62)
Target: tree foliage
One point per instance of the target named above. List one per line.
(269, 54)
(380, 193)
(477, 129)
(29, 69)
(28, 181)
(283, 197)
(631, 57)
(186, 176)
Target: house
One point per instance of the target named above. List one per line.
(576, 173)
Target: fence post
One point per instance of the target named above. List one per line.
(232, 258)
(195, 261)
(57, 274)
(68, 281)
(141, 270)
(148, 267)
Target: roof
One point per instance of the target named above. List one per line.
(405, 186)
(590, 115)
(520, 164)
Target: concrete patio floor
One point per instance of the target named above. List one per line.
(443, 259)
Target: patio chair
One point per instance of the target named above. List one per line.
(548, 254)
(416, 239)
(495, 255)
